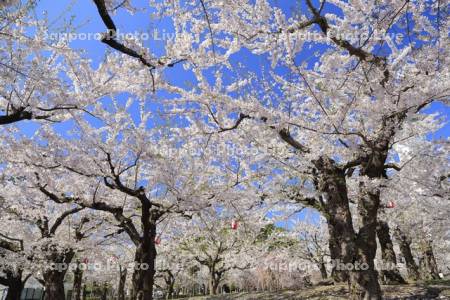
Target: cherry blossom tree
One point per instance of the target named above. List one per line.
(13, 264)
(221, 243)
(331, 118)
(31, 67)
(48, 239)
(419, 217)
(340, 110)
(137, 176)
(171, 262)
(313, 244)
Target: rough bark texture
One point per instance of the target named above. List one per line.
(143, 277)
(347, 248)
(332, 184)
(77, 282)
(353, 250)
(170, 291)
(54, 285)
(144, 259)
(214, 282)
(13, 280)
(169, 279)
(323, 270)
(122, 280)
(428, 265)
(390, 273)
(405, 249)
(54, 277)
(364, 282)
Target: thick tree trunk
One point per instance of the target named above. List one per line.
(364, 282)
(54, 285)
(405, 249)
(54, 277)
(429, 269)
(77, 282)
(144, 259)
(389, 273)
(14, 291)
(350, 251)
(332, 184)
(15, 285)
(338, 246)
(364, 277)
(122, 281)
(213, 285)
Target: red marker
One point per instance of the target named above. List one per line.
(390, 204)
(234, 225)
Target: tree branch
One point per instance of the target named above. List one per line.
(61, 218)
(111, 35)
(286, 136)
(352, 50)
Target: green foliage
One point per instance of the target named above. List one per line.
(272, 235)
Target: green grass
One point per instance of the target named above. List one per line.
(438, 282)
(433, 290)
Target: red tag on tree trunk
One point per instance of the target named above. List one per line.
(234, 225)
(390, 204)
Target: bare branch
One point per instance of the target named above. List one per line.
(61, 218)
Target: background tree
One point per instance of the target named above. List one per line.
(219, 242)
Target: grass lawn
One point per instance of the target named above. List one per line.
(434, 290)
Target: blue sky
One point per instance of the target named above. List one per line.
(83, 16)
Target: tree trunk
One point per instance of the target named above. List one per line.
(54, 285)
(364, 282)
(429, 269)
(105, 292)
(144, 259)
(170, 289)
(14, 283)
(14, 291)
(170, 283)
(214, 281)
(213, 287)
(77, 282)
(323, 270)
(389, 273)
(337, 245)
(122, 281)
(364, 277)
(84, 292)
(54, 276)
(332, 185)
(350, 251)
(405, 249)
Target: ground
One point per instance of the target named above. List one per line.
(439, 290)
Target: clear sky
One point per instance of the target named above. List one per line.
(83, 16)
